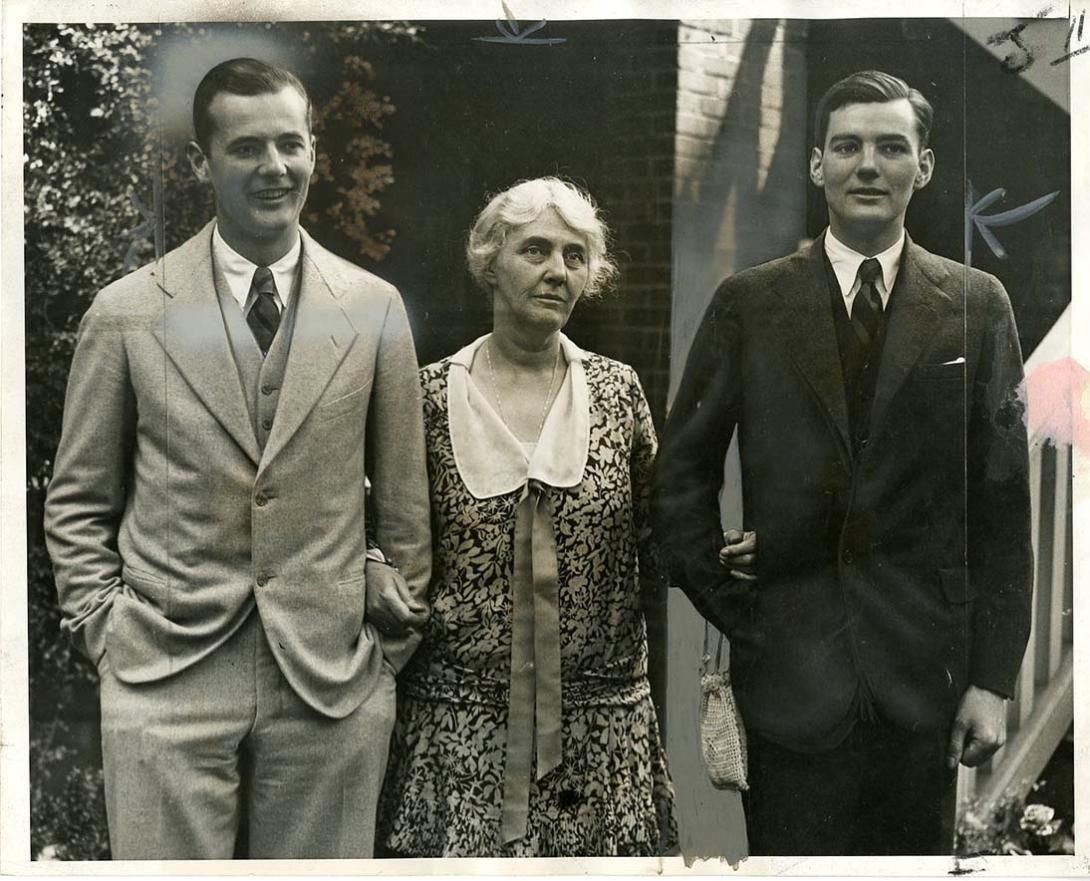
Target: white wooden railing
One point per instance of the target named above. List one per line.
(1043, 706)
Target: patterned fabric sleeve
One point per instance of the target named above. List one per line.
(644, 447)
(370, 532)
(369, 529)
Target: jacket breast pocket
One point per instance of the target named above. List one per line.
(938, 394)
(350, 402)
(953, 372)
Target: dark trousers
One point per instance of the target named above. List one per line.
(880, 792)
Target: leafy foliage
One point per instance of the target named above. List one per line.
(99, 167)
(348, 184)
(67, 806)
(1013, 826)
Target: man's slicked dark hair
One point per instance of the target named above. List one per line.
(871, 87)
(240, 76)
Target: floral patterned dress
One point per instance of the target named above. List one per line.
(611, 795)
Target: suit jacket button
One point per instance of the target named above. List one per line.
(260, 500)
(848, 557)
(267, 389)
(262, 580)
(266, 423)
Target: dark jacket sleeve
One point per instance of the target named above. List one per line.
(689, 471)
(999, 551)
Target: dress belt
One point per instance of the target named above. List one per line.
(533, 710)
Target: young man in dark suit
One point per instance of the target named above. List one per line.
(878, 394)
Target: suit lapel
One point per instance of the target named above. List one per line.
(194, 338)
(806, 325)
(916, 307)
(321, 338)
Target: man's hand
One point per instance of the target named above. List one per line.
(390, 605)
(980, 728)
(740, 554)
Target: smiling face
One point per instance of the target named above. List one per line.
(259, 161)
(538, 275)
(870, 166)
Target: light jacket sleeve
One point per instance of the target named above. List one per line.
(397, 466)
(86, 494)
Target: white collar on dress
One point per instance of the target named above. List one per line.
(490, 459)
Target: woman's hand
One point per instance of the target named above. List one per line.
(739, 554)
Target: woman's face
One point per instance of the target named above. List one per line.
(539, 274)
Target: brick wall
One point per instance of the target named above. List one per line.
(740, 166)
(637, 168)
(706, 124)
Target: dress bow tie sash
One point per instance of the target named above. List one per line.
(492, 463)
(533, 716)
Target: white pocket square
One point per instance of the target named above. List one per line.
(955, 361)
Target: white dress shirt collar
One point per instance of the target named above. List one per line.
(846, 262)
(239, 271)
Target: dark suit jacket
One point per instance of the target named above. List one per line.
(167, 522)
(898, 575)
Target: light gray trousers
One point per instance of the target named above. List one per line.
(183, 755)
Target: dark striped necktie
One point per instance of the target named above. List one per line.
(264, 315)
(867, 307)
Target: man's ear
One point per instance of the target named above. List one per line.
(817, 175)
(927, 168)
(198, 162)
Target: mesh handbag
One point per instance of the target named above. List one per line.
(722, 736)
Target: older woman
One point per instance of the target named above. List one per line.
(525, 725)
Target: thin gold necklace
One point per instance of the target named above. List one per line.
(496, 390)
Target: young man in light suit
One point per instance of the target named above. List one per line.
(877, 391)
(206, 514)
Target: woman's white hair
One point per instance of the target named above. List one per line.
(523, 203)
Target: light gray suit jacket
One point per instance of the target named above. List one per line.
(166, 521)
